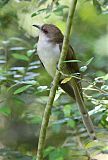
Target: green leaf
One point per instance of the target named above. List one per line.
(20, 57)
(59, 13)
(71, 123)
(66, 80)
(42, 10)
(5, 110)
(104, 87)
(41, 2)
(34, 14)
(97, 6)
(58, 154)
(72, 61)
(48, 150)
(47, 16)
(67, 110)
(39, 12)
(20, 90)
(36, 120)
(31, 82)
(42, 88)
(34, 158)
(94, 144)
(89, 61)
(105, 77)
(3, 2)
(56, 128)
(17, 48)
(30, 52)
(60, 8)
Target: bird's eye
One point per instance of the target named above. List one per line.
(45, 31)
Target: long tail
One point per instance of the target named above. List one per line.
(68, 89)
(82, 108)
(73, 90)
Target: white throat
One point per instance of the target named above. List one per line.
(49, 53)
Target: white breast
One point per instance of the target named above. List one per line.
(49, 53)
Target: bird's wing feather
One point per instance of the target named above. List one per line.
(72, 67)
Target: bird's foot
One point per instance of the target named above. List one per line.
(57, 67)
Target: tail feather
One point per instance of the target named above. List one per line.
(67, 87)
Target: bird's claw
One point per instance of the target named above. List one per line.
(51, 84)
(57, 67)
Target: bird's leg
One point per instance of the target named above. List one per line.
(51, 84)
(57, 67)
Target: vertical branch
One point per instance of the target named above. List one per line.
(47, 111)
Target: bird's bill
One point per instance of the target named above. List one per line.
(37, 26)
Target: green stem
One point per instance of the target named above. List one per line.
(47, 111)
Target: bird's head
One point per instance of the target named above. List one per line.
(50, 31)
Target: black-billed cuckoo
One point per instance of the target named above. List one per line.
(49, 48)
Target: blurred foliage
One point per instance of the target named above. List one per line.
(3, 2)
(101, 6)
(25, 84)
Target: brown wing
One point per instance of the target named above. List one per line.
(72, 67)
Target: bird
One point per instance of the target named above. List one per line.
(49, 49)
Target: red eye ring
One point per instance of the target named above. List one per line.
(45, 31)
